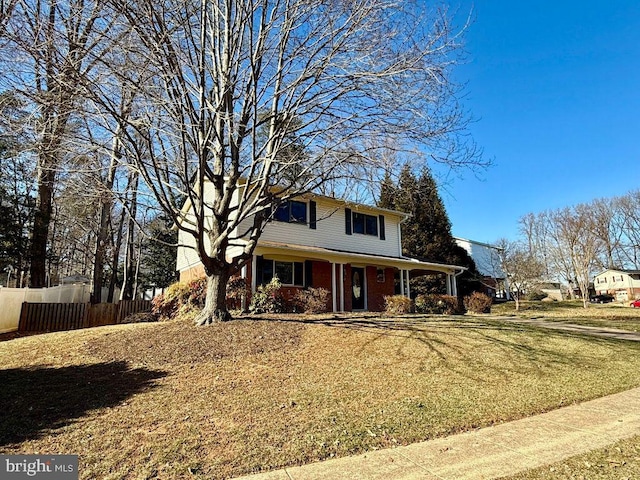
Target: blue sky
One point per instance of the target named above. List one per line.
(555, 89)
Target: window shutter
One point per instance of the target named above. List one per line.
(381, 222)
(312, 215)
(347, 221)
(259, 270)
(308, 273)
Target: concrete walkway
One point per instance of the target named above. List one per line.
(488, 452)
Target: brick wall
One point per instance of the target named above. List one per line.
(377, 290)
(192, 274)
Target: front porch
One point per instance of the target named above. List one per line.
(357, 282)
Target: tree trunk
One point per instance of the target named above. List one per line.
(215, 306)
(41, 222)
(105, 217)
(130, 250)
(117, 245)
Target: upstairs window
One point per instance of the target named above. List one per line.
(292, 211)
(365, 224)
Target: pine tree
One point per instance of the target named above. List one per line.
(388, 193)
(426, 234)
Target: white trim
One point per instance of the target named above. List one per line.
(333, 287)
(341, 289)
(243, 299)
(408, 285)
(271, 249)
(254, 273)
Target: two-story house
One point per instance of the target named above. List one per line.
(352, 250)
(622, 284)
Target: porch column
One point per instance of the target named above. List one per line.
(333, 286)
(341, 283)
(254, 274)
(408, 284)
(402, 282)
(243, 300)
(454, 285)
(448, 282)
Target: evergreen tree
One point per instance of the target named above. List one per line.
(426, 234)
(159, 254)
(388, 193)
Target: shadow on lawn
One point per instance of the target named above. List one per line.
(449, 337)
(36, 400)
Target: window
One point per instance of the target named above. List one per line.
(292, 211)
(365, 224)
(289, 273)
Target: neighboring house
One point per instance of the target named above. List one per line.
(352, 250)
(622, 284)
(487, 260)
(553, 290)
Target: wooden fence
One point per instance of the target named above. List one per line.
(53, 317)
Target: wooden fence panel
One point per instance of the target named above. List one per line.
(102, 314)
(129, 307)
(52, 317)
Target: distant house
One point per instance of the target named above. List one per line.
(487, 260)
(622, 284)
(352, 250)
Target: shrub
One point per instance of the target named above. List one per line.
(237, 288)
(179, 298)
(397, 305)
(438, 304)
(478, 302)
(312, 300)
(197, 292)
(268, 298)
(171, 301)
(141, 317)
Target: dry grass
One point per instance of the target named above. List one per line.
(170, 400)
(608, 315)
(620, 461)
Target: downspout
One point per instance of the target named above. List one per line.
(455, 283)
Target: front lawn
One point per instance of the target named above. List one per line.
(170, 400)
(616, 462)
(608, 315)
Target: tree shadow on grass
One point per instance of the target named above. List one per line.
(39, 399)
(436, 334)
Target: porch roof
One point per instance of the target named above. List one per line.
(276, 250)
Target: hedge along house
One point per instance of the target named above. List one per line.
(352, 250)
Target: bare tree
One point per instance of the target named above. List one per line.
(629, 211)
(521, 266)
(608, 226)
(50, 46)
(323, 75)
(576, 236)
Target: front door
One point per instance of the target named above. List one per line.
(357, 288)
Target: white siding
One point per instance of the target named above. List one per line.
(485, 257)
(614, 280)
(187, 257)
(330, 232)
